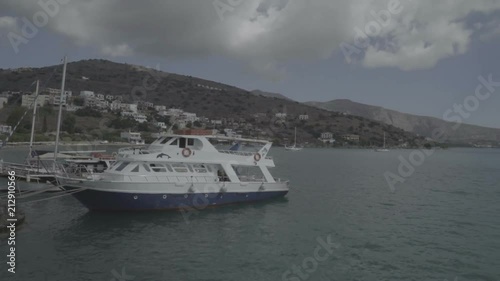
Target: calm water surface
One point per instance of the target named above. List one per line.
(443, 223)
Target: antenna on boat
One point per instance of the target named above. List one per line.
(34, 116)
(56, 149)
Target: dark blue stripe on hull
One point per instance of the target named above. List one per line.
(118, 201)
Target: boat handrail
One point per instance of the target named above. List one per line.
(240, 153)
(141, 150)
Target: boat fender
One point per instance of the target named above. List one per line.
(257, 157)
(186, 152)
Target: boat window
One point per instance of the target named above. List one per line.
(191, 142)
(158, 168)
(146, 167)
(199, 168)
(249, 173)
(182, 142)
(135, 169)
(169, 168)
(175, 142)
(164, 141)
(180, 168)
(122, 166)
(116, 165)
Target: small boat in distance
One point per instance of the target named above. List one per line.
(294, 146)
(179, 172)
(383, 149)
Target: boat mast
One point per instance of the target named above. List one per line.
(384, 139)
(295, 141)
(34, 117)
(56, 150)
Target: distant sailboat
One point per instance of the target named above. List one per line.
(294, 146)
(383, 149)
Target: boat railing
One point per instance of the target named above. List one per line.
(75, 171)
(23, 169)
(237, 152)
(242, 153)
(136, 150)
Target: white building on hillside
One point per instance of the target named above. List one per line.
(141, 118)
(115, 105)
(29, 100)
(160, 125)
(132, 137)
(189, 117)
(5, 129)
(160, 107)
(87, 94)
(327, 137)
(129, 107)
(280, 115)
(3, 102)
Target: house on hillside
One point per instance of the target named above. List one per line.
(5, 129)
(140, 118)
(87, 94)
(29, 100)
(3, 101)
(160, 108)
(160, 125)
(280, 115)
(327, 137)
(351, 137)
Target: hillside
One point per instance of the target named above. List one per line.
(255, 113)
(421, 125)
(270, 95)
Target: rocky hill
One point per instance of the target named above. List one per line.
(421, 125)
(206, 98)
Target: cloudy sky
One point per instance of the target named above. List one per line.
(420, 57)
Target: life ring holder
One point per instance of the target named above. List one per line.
(257, 157)
(186, 152)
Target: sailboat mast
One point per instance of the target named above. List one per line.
(295, 140)
(34, 117)
(384, 139)
(56, 150)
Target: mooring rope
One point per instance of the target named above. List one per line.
(65, 193)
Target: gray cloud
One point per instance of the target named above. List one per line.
(265, 33)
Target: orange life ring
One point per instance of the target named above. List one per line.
(257, 157)
(186, 152)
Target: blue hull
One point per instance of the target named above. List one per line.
(119, 201)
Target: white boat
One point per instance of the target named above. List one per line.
(178, 172)
(383, 149)
(294, 147)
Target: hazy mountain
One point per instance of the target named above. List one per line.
(421, 125)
